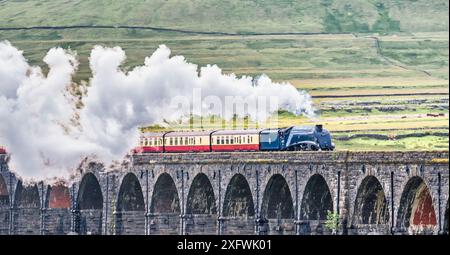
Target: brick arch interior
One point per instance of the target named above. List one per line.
(58, 213)
(416, 206)
(130, 212)
(27, 210)
(4, 195)
(238, 207)
(165, 206)
(370, 203)
(317, 200)
(58, 196)
(90, 206)
(446, 222)
(4, 207)
(277, 206)
(201, 207)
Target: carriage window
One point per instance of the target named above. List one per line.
(251, 138)
(186, 140)
(171, 141)
(200, 140)
(218, 140)
(231, 140)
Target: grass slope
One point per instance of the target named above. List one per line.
(236, 15)
(398, 53)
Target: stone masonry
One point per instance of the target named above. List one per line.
(275, 193)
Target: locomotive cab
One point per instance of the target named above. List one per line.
(308, 138)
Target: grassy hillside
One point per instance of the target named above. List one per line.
(236, 15)
(384, 86)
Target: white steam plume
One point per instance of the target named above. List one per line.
(36, 111)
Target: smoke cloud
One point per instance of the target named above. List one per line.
(47, 136)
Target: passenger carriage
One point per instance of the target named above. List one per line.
(187, 141)
(151, 142)
(235, 140)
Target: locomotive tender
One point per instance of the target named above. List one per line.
(293, 138)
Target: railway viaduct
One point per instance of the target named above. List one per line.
(237, 193)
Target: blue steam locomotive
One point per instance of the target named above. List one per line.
(296, 138)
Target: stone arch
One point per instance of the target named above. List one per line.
(58, 217)
(165, 206)
(165, 197)
(446, 223)
(90, 193)
(277, 199)
(201, 206)
(277, 206)
(130, 211)
(27, 206)
(238, 207)
(370, 203)
(416, 211)
(90, 206)
(201, 199)
(4, 207)
(238, 198)
(316, 200)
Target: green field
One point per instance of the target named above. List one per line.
(380, 68)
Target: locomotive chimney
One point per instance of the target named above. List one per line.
(319, 128)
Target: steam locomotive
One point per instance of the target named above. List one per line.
(295, 138)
